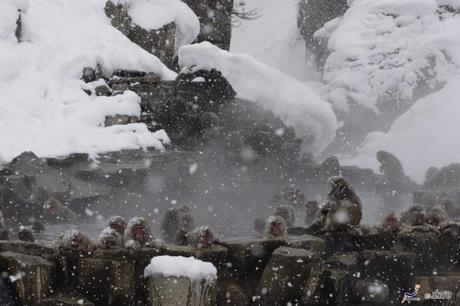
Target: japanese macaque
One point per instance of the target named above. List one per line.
(4, 233)
(390, 165)
(138, 233)
(201, 237)
(276, 228)
(26, 234)
(414, 216)
(343, 208)
(287, 212)
(259, 225)
(391, 222)
(436, 215)
(176, 220)
(110, 238)
(118, 224)
(75, 240)
(311, 211)
(58, 212)
(290, 195)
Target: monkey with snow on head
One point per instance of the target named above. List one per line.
(343, 208)
(175, 221)
(414, 216)
(391, 222)
(118, 224)
(276, 228)
(74, 240)
(138, 233)
(110, 238)
(436, 215)
(201, 237)
(287, 212)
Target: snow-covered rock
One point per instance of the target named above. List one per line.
(179, 266)
(43, 106)
(296, 103)
(386, 52)
(426, 135)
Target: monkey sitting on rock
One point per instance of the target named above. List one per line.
(176, 221)
(436, 215)
(74, 240)
(138, 233)
(118, 224)
(343, 210)
(26, 234)
(276, 228)
(287, 212)
(110, 238)
(201, 237)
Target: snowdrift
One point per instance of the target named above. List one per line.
(295, 102)
(43, 107)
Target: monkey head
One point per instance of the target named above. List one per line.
(390, 222)
(276, 228)
(26, 234)
(287, 212)
(415, 215)
(52, 205)
(109, 238)
(138, 230)
(118, 224)
(436, 216)
(76, 241)
(202, 236)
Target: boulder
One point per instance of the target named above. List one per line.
(106, 281)
(285, 275)
(63, 299)
(159, 42)
(308, 242)
(33, 276)
(230, 292)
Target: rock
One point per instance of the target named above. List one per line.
(308, 242)
(34, 276)
(448, 176)
(247, 259)
(120, 119)
(389, 266)
(424, 243)
(160, 43)
(171, 291)
(215, 19)
(370, 292)
(285, 276)
(229, 292)
(103, 90)
(66, 300)
(328, 286)
(106, 281)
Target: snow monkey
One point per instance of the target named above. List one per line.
(118, 224)
(110, 238)
(74, 240)
(138, 233)
(344, 209)
(390, 222)
(436, 215)
(414, 216)
(390, 165)
(176, 220)
(202, 237)
(58, 212)
(276, 228)
(26, 234)
(287, 212)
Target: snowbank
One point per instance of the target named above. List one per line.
(178, 266)
(426, 135)
(43, 107)
(294, 102)
(274, 38)
(385, 49)
(154, 14)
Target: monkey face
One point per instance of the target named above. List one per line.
(391, 222)
(138, 232)
(276, 229)
(51, 206)
(118, 227)
(79, 242)
(207, 237)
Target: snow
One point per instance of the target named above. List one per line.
(179, 266)
(296, 103)
(154, 14)
(426, 135)
(385, 49)
(43, 107)
(273, 38)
